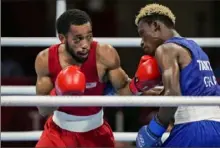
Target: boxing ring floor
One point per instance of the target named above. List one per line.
(108, 101)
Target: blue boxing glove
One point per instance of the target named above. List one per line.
(150, 136)
(109, 90)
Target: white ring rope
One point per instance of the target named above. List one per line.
(22, 90)
(90, 100)
(108, 101)
(18, 90)
(117, 42)
(35, 135)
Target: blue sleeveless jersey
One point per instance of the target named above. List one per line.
(197, 78)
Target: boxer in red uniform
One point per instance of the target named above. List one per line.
(81, 66)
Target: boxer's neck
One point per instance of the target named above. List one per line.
(169, 33)
(68, 58)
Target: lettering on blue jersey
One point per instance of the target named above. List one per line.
(205, 66)
(210, 81)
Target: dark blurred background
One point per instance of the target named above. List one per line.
(111, 18)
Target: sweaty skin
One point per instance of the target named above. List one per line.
(108, 67)
(74, 50)
(109, 63)
(44, 84)
(171, 59)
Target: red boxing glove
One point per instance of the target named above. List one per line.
(70, 81)
(147, 75)
(53, 92)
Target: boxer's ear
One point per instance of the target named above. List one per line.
(62, 38)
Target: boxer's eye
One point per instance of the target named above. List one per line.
(141, 33)
(77, 39)
(89, 37)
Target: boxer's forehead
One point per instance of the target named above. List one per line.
(143, 27)
(78, 30)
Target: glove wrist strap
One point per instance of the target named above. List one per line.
(156, 128)
(53, 92)
(134, 89)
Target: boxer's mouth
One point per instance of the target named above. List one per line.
(83, 55)
(146, 49)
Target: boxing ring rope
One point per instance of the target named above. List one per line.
(88, 100)
(97, 101)
(18, 90)
(35, 135)
(109, 101)
(22, 90)
(116, 42)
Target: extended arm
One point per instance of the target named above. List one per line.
(116, 75)
(147, 75)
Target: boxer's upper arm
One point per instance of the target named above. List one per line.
(44, 84)
(116, 74)
(167, 58)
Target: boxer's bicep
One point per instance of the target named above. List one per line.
(116, 75)
(120, 81)
(168, 62)
(44, 84)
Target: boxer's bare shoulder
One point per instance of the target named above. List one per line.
(41, 62)
(174, 52)
(108, 56)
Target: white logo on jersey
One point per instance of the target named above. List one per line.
(91, 85)
(210, 81)
(205, 66)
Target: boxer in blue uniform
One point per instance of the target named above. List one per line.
(186, 71)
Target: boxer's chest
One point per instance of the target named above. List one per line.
(95, 72)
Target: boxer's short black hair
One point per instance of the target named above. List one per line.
(71, 17)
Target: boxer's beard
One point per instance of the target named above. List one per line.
(75, 57)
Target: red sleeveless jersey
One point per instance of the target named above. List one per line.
(89, 68)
